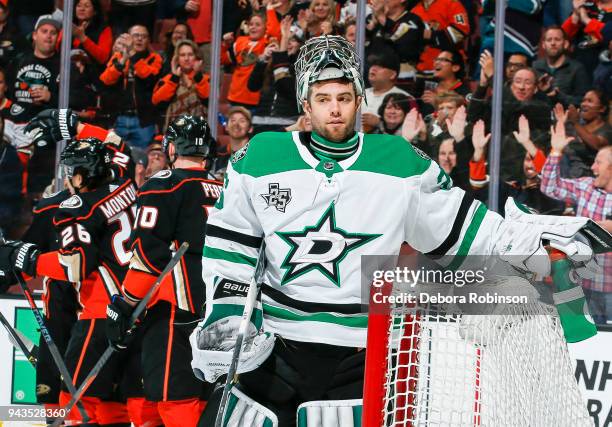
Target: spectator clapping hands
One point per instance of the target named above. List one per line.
(413, 125)
(78, 31)
(558, 139)
(192, 6)
(479, 140)
(228, 38)
(124, 44)
(456, 126)
(486, 67)
(266, 56)
(523, 136)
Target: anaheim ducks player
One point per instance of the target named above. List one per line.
(93, 227)
(59, 301)
(320, 201)
(173, 208)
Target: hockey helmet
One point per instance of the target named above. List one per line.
(326, 58)
(88, 157)
(190, 136)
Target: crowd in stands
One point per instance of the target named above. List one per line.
(429, 67)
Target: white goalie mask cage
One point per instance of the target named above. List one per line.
(325, 58)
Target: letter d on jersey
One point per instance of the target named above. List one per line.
(320, 247)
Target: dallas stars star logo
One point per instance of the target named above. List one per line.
(320, 247)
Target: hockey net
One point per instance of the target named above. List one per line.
(427, 366)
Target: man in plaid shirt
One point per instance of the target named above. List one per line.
(593, 199)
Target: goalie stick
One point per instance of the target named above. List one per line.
(20, 341)
(244, 323)
(57, 357)
(142, 305)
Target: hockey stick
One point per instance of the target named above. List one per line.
(57, 357)
(20, 341)
(55, 353)
(244, 324)
(142, 305)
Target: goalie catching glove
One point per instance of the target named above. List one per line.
(524, 235)
(52, 125)
(212, 348)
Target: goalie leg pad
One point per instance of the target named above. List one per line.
(242, 411)
(330, 413)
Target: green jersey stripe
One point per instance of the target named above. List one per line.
(234, 257)
(360, 321)
(222, 311)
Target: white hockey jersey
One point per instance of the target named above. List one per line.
(318, 217)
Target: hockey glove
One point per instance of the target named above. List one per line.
(19, 256)
(118, 329)
(52, 125)
(523, 236)
(212, 348)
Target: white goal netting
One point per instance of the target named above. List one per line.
(508, 368)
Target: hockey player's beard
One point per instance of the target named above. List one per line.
(335, 135)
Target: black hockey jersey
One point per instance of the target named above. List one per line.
(173, 207)
(42, 233)
(93, 229)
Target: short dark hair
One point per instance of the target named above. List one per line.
(554, 27)
(395, 98)
(387, 58)
(603, 99)
(523, 54)
(457, 59)
(339, 79)
(98, 19)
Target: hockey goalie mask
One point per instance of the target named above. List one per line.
(326, 58)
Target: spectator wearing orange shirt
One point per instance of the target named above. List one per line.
(243, 54)
(199, 19)
(185, 89)
(584, 28)
(90, 32)
(131, 74)
(276, 11)
(446, 27)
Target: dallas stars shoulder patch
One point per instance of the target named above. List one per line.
(320, 247)
(239, 155)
